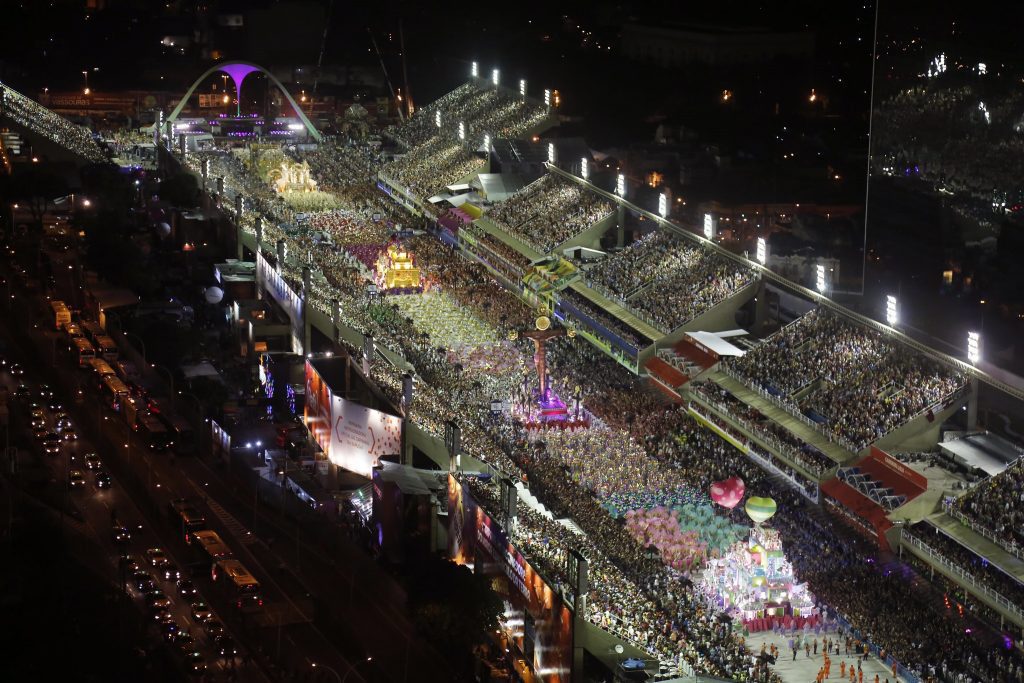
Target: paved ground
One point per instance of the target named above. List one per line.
(805, 670)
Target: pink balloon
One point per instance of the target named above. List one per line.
(728, 493)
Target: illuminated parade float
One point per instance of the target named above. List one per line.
(396, 272)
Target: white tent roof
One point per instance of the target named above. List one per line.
(716, 341)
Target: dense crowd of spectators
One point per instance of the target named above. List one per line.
(868, 385)
(53, 127)
(980, 569)
(549, 211)
(997, 504)
(636, 443)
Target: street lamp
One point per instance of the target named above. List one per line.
(170, 377)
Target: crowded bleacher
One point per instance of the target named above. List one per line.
(868, 385)
(549, 211)
(42, 121)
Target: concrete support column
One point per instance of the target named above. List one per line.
(307, 326)
(282, 254)
(972, 405)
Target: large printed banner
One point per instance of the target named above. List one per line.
(540, 621)
(353, 436)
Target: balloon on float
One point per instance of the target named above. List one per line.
(213, 295)
(759, 509)
(163, 229)
(728, 493)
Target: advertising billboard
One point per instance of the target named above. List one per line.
(535, 615)
(352, 436)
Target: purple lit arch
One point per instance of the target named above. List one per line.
(238, 71)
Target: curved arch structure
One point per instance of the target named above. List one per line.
(238, 71)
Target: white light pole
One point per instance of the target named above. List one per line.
(820, 278)
(547, 98)
(522, 87)
(495, 77)
(437, 118)
(474, 70)
(620, 185)
(663, 205)
(487, 143)
(709, 226)
(891, 314)
(973, 347)
(551, 153)
(762, 251)
(462, 130)
(584, 168)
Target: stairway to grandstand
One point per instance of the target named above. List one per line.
(885, 496)
(36, 118)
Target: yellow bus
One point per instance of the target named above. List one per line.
(115, 390)
(106, 347)
(61, 314)
(237, 583)
(83, 349)
(210, 545)
(102, 368)
(72, 330)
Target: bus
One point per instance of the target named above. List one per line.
(115, 391)
(61, 314)
(72, 330)
(106, 347)
(156, 434)
(92, 330)
(82, 348)
(209, 544)
(102, 369)
(182, 433)
(238, 584)
(187, 517)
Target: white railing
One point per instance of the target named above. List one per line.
(956, 514)
(962, 574)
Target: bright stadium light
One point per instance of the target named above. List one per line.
(709, 226)
(891, 316)
(762, 251)
(547, 97)
(973, 347)
(620, 185)
(551, 153)
(437, 118)
(475, 70)
(495, 79)
(522, 87)
(462, 130)
(663, 205)
(820, 278)
(584, 168)
(487, 142)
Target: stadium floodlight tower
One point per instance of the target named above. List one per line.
(584, 168)
(522, 87)
(551, 153)
(892, 315)
(663, 205)
(620, 185)
(547, 97)
(709, 226)
(487, 143)
(462, 131)
(437, 118)
(474, 70)
(819, 277)
(762, 251)
(495, 77)
(973, 347)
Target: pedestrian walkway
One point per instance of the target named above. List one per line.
(230, 522)
(804, 669)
